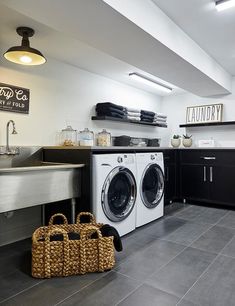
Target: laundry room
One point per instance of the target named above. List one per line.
(117, 152)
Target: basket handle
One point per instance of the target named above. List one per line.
(84, 235)
(92, 218)
(51, 221)
(47, 268)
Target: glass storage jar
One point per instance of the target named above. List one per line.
(68, 136)
(104, 139)
(86, 137)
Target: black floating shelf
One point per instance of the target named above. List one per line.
(125, 120)
(208, 124)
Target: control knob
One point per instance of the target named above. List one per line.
(120, 159)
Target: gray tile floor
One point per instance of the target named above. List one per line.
(186, 258)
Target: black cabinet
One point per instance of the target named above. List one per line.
(208, 176)
(170, 169)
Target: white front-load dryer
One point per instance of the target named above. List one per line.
(150, 184)
(115, 190)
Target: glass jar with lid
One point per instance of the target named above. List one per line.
(104, 139)
(68, 136)
(86, 137)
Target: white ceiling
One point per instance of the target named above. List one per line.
(94, 37)
(214, 31)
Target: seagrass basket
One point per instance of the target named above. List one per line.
(70, 257)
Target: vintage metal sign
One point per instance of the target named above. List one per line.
(14, 99)
(204, 113)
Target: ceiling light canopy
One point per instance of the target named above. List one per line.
(143, 79)
(24, 54)
(224, 4)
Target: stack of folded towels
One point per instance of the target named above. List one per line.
(160, 119)
(110, 109)
(147, 116)
(133, 114)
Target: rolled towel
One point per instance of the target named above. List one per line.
(159, 119)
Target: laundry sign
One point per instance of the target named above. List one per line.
(204, 113)
(14, 99)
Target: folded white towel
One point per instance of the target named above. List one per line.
(133, 118)
(160, 119)
(133, 114)
(159, 116)
(134, 110)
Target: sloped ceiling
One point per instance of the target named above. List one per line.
(96, 37)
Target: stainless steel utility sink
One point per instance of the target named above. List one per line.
(27, 181)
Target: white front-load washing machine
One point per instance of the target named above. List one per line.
(150, 185)
(115, 190)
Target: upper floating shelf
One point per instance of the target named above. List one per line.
(126, 120)
(208, 124)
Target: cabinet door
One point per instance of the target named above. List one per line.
(170, 182)
(222, 184)
(194, 182)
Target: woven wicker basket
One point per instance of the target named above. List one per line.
(70, 257)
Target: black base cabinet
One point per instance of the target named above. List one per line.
(208, 176)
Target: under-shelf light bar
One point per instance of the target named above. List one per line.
(224, 4)
(150, 82)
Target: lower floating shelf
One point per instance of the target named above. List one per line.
(126, 121)
(208, 124)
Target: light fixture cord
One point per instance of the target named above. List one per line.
(25, 40)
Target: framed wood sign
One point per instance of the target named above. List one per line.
(204, 113)
(14, 99)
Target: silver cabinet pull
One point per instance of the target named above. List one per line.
(208, 157)
(204, 174)
(211, 174)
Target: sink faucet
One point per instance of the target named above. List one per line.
(8, 150)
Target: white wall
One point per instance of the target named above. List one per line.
(61, 93)
(175, 108)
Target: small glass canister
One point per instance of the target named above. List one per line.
(104, 139)
(68, 136)
(86, 137)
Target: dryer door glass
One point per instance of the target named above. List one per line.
(119, 194)
(152, 186)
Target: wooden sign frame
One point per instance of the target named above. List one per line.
(14, 99)
(204, 113)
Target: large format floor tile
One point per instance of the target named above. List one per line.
(201, 214)
(107, 291)
(181, 273)
(144, 263)
(216, 287)
(228, 220)
(51, 291)
(215, 239)
(149, 296)
(229, 250)
(187, 233)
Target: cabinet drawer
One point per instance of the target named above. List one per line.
(208, 157)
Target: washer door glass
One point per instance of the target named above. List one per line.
(152, 186)
(118, 194)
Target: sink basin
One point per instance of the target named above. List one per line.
(40, 166)
(26, 181)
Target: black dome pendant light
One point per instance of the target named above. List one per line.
(24, 54)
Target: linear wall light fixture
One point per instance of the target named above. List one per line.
(24, 54)
(224, 4)
(145, 80)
